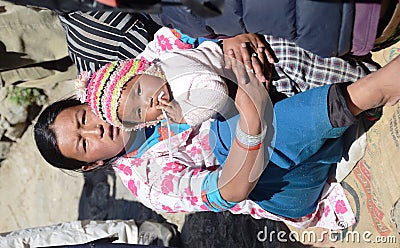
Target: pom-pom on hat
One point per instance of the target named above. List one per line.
(103, 89)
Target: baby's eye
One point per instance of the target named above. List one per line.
(139, 90)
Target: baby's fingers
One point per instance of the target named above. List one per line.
(163, 102)
(160, 117)
(161, 107)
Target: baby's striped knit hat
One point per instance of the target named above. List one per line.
(102, 90)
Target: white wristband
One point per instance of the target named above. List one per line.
(250, 140)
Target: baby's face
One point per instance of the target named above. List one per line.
(139, 99)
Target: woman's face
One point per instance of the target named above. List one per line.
(81, 135)
(139, 99)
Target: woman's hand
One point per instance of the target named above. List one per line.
(251, 97)
(244, 166)
(252, 94)
(257, 47)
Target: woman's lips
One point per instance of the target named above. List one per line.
(116, 132)
(113, 132)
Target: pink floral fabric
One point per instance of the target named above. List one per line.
(165, 39)
(175, 186)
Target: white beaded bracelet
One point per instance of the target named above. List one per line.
(251, 140)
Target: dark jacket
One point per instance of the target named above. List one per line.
(321, 26)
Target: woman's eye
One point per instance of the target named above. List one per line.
(84, 118)
(140, 113)
(84, 144)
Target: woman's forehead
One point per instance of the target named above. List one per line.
(63, 127)
(68, 116)
(65, 117)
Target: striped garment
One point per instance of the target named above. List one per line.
(98, 37)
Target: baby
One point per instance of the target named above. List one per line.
(184, 84)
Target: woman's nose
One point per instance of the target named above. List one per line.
(149, 102)
(95, 130)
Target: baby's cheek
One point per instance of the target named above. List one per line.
(125, 106)
(152, 114)
(125, 113)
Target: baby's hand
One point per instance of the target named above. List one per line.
(173, 110)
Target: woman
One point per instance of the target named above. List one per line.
(195, 181)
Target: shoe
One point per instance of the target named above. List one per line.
(154, 233)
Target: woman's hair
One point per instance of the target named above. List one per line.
(45, 137)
